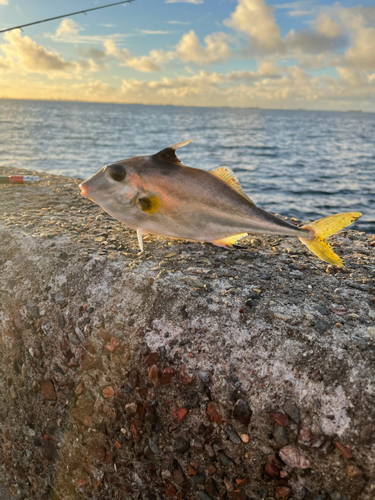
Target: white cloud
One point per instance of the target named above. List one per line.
(268, 68)
(176, 89)
(255, 18)
(299, 9)
(350, 77)
(97, 55)
(243, 75)
(5, 63)
(31, 56)
(89, 90)
(160, 56)
(155, 32)
(216, 50)
(142, 63)
(179, 22)
(292, 89)
(361, 54)
(323, 38)
(326, 27)
(195, 2)
(311, 42)
(88, 39)
(188, 49)
(23, 54)
(67, 27)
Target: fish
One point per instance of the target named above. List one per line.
(160, 195)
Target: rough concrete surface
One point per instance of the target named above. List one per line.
(188, 371)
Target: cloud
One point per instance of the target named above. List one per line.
(89, 90)
(24, 55)
(314, 47)
(5, 63)
(196, 83)
(255, 18)
(268, 68)
(350, 77)
(317, 47)
(342, 39)
(299, 9)
(361, 54)
(160, 56)
(33, 57)
(326, 27)
(216, 50)
(89, 39)
(96, 90)
(176, 89)
(188, 50)
(310, 42)
(4, 2)
(195, 2)
(293, 88)
(178, 22)
(97, 55)
(242, 75)
(319, 61)
(142, 63)
(155, 32)
(67, 27)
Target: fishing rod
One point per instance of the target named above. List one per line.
(65, 15)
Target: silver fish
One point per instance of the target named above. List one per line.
(158, 194)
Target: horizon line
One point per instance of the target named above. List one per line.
(187, 106)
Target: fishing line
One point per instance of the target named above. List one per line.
(65, 15)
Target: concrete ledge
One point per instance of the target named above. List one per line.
(186, 372)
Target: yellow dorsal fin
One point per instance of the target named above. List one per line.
(229, 177)
(229, 241)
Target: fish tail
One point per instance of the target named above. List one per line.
(322, 229)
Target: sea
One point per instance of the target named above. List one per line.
(304, 164)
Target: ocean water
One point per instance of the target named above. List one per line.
(306, 164)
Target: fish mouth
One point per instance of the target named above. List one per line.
(83, 187)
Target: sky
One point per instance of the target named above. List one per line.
(241, 53)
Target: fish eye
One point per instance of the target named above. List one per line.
(117, 172)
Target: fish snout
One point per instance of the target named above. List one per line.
(83, 187)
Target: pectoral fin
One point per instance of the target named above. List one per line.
(140, 241)
(228, 242)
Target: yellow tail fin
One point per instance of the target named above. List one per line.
(322, 229)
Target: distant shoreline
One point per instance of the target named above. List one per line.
(190, 106)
